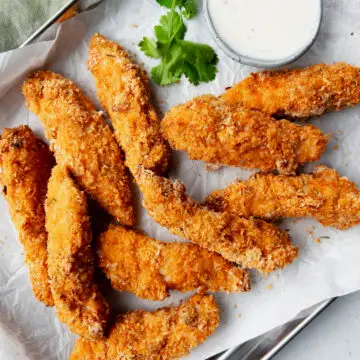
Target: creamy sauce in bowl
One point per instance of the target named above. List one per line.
(266, 30)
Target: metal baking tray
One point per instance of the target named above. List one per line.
(49, 22)
(82, 6)
(265, 346)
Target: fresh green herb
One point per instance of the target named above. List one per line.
(324, 237)
(187, 7)
(178, 56)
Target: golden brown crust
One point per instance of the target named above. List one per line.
(210, 129)
(81, 140)
(150, 268)
(26, 167)
(78, 302)
(299, 93)
(252, 243)
(168, 333)
(124, 91)
(323, 195)
(68, 14)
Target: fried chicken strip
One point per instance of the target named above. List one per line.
(299, 93)
(73, 11)
(81, 140)
(78, 302)
(150, 268)
(210, 129)
(251, 243)
(168, 333)
(26, 164)
(323, 195)
(124, 91)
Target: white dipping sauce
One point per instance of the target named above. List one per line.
(266, 29)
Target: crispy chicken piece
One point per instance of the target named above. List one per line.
(299, 93)
(211, 130)
(78, 302)
(168, 333)
(323, 195)
(81, 140)
(26, 167)
(251, 243)
(69, 14)
(124, 91)
(149, 268)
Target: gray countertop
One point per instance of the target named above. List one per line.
(333, 335)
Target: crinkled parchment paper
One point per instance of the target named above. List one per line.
(28, 330)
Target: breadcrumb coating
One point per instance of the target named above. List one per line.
(249, 242)
(168, 333)
(124, 91)
(323, 195)
(210, 129)
(150, 268)
(26, 164)
(74, 10)
(299, 93)
(78, 302)
(82, 141)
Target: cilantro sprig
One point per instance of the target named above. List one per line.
(178, 56)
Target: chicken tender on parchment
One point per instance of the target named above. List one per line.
(211, 130)
(150, 268)
(299, 93)
(249, 242)
(168, 333)
(323, 195)
(124, 91)
(78, 302)
(81, 140)
(26, 164)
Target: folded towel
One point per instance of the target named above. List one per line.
(20, 18)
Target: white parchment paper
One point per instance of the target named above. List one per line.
(28, 330)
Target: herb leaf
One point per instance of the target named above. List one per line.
(171, 27)
(187, 7)
(196, 61)
(150, 48)
(178, 56)
(170, 69)
(166, 3)
(199, 62)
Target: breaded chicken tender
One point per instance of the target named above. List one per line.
(26, 164)
(71, 12)
(323, 195)
(78, 302)
(124, 91)
(209, 129)
(168, 333)
(251, 243)
(299, 93)
(150, 268)
(82, 141)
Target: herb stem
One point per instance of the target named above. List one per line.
(173, 5)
